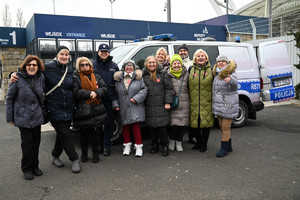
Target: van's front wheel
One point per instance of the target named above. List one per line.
(242, 118)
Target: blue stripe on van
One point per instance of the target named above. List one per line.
(279, 75)
(249, 86)
(283, 93)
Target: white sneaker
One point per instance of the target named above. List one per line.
(138, 150)
(179, 146)
(127, 149)
(171, 145)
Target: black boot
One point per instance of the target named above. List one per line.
(106, 151)
(84, 157)
(223, 150)
(96, 157)
(165, 151)
(229, 147)
(198, 142)
(154, 147)
(204, 139)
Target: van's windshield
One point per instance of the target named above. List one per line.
(120, 52)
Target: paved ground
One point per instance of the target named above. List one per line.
(265, 164)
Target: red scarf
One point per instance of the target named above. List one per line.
(89, 84)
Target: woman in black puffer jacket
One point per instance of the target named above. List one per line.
(24, 111)
(158, 100)
(60, 105)
(90, 114)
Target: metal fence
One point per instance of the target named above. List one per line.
(280, 26)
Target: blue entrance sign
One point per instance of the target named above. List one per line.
(12, 37)
(73, 27)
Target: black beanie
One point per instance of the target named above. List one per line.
(60, 48)
(183, 47)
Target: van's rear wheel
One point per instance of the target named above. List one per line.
(242, 118)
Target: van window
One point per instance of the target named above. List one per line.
(212, 52)
(239, 54)
(120, 52)
(142, 54)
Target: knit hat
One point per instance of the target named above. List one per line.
(175, 57)
(103, 47)
(183, 47)
(126, 62)
(60, 48)
(222, 57)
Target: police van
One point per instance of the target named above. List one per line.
(275, 72)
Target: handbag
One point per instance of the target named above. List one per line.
(175, 103)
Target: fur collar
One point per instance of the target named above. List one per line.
(228, 70)
(137, 74)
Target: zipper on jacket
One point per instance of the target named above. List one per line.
(199, 98)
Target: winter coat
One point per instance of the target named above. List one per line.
(159, 93)
(88, 116)
(106, 70)
(200, 85)
(131, 112)
(187, 62)
(225, 95)
(22, 106)
(180, 116)
(60, 102)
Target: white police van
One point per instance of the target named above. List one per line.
(276, 72)
(250, 81)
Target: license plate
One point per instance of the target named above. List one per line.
(281, 82)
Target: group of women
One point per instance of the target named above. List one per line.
(145, 95)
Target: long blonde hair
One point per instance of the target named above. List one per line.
(152, 74)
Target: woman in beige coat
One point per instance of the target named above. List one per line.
(180, 115)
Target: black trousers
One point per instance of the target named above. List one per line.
(161, 132)
(93, 135)
(64, 140)
(177, 132)
(30, 144)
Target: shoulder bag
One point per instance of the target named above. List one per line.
(175, 103)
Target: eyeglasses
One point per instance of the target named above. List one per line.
(33, 65)
(84, 65)
(129, 65)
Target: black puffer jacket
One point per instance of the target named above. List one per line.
(88, 116)
(60, 103)
(106, 70)
(159, 93)
(22, 106)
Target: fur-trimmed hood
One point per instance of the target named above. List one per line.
(137, 74)
(80, 59)
(231, 67)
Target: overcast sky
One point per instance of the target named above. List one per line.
(183, 11)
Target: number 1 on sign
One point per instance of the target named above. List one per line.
(13, 34)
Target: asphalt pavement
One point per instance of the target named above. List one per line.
(264, 164)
